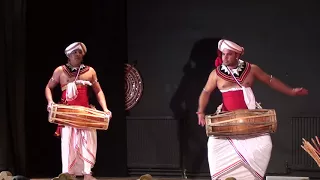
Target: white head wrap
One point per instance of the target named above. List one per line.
(226, 44)
(74, 46)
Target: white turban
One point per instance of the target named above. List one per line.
(226, 44)
(74, 46)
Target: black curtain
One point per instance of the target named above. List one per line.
(12, 89)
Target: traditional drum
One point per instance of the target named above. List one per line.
(241, 122)
(79, 117)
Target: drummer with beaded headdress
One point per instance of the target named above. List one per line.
(78, 146)
(245, 158)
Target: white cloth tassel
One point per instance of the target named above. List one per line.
(72, 91)
(249, 97)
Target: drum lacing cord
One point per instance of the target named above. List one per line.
(72, 86)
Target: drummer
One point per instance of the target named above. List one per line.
(78, 146)
(245, 158)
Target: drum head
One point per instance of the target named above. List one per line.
(133, 86)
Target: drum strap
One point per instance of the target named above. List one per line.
(248, 96)
(234, 77)
(77, 75)
(72, 91)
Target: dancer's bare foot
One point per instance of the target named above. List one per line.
(89, 177)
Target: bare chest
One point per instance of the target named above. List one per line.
(65, 79)
(223, 84)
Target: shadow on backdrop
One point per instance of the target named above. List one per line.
(184, 104)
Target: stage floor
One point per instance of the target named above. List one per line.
(127, 178)
(165, 178)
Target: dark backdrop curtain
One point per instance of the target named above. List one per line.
(12, 89)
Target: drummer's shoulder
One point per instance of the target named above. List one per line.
(213, 72)
(255, 67)
(58, 69)
(251, 65)
(91, 69)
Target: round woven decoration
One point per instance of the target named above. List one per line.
(133, 86)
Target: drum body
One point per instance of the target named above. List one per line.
(78, 117)
(241, 122)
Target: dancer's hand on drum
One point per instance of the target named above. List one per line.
(201, 120)
(49, 106)
(108, 113)
(300, 91)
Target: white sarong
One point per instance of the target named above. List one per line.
(244, 158)
(78, 149)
